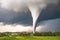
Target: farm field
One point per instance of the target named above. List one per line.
(30, 38)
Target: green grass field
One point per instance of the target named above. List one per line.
(30, 38)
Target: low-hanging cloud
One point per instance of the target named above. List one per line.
(44, 26)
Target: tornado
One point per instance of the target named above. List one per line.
(35, 12)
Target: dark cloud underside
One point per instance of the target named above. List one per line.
(24, 18)
(49, 18)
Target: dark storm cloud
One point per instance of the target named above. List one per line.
(51, 12)
(24, 18)
(50, 25)
(49, 18)
(11, 17)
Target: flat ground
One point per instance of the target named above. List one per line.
(30, 38)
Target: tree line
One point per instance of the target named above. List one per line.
(29, 34)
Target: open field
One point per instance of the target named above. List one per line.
(30, 38)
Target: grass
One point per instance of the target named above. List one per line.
(30, 38)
